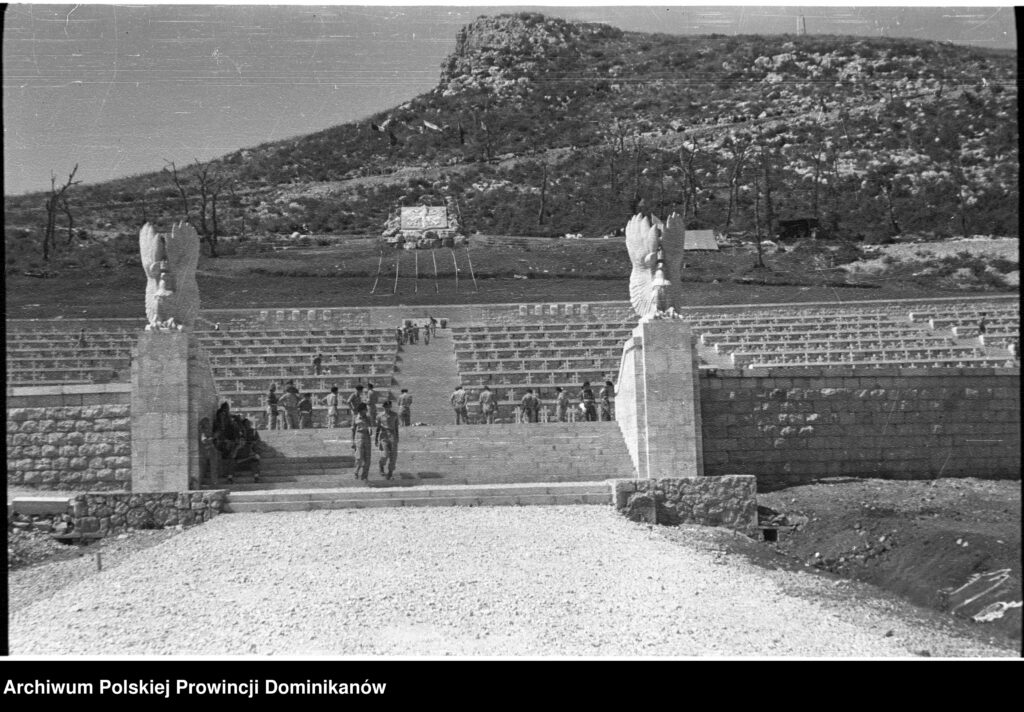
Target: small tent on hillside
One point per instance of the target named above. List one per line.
(700, 240)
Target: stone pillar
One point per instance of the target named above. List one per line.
(629, 403)
(658, 400)
(172, 388)
(672, 399)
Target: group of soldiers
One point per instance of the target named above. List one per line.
(410, 332)
(290, 410)
(228, 443)
(530, 404)
(367, 422)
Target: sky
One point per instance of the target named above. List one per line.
(123, 89)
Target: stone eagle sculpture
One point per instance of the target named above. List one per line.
(656, 252)
(169, 261)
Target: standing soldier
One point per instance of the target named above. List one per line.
(372, 398)
(361, 442)
(317, 361)
(353, 402)
(607, 395)
(405, 407)
(290, 402)
(386, 438)
(530, 406)
(458, 400)
(488, 406)
(588, 402)
(272, 408)
(561, 403)
(305, 409)
(332, 408)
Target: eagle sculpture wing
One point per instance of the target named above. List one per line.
(151, 252)
(182, 258)
(673, 240)
(169, 262)
(642, 243)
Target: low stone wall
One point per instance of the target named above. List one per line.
(726, 501)
(68, 395)
(457, 314)
(791, 426)
(108, 513)
(66, 447)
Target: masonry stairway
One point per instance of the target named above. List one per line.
(552, 463)
(430, 373)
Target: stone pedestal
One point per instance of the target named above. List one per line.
(658, 401)
(172, 388)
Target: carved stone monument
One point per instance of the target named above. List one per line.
(172, 381)
(169, 261)
(658, 392)
(656, 251)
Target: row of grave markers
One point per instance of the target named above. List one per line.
(554, 309)
(291, 315)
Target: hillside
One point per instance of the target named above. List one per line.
(544, 127)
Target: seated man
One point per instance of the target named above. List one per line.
(247, 456)
(226, 438)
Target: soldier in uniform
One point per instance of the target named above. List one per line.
(353, 402)
(371, 398)
(488, 406)
(458, 401)
(531, 406)
(607, 397)
(588, 402)
(332, 407)
(405, 407)
(386, 438)
(361, 442)
(561, 404)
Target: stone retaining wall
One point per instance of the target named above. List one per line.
(726, 501)
(66, 447)
(458, 315)
(789, 427)
(108, 513)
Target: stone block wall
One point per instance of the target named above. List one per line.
(629, 403)
(658, 400)
(69, 447)
(388, 317)
(788, 426)
(114, 512)
(727, 501)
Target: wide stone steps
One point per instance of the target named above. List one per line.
(431, 496)
(450, 454)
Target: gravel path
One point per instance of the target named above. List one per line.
(498, 581)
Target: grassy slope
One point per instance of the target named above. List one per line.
(343, 276)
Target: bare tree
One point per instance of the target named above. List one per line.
(181, 185)
(757, 224)
(57, 200)
(543, 192)
(769, 208)
(207, 184)
(634, 203)
(739, 152)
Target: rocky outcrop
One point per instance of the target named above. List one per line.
(506, 53)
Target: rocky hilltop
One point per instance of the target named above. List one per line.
(506, 54)
(544, 127)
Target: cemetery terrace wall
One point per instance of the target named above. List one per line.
(788, 426)
(67, 437)
(106, 514)
(460, 315)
